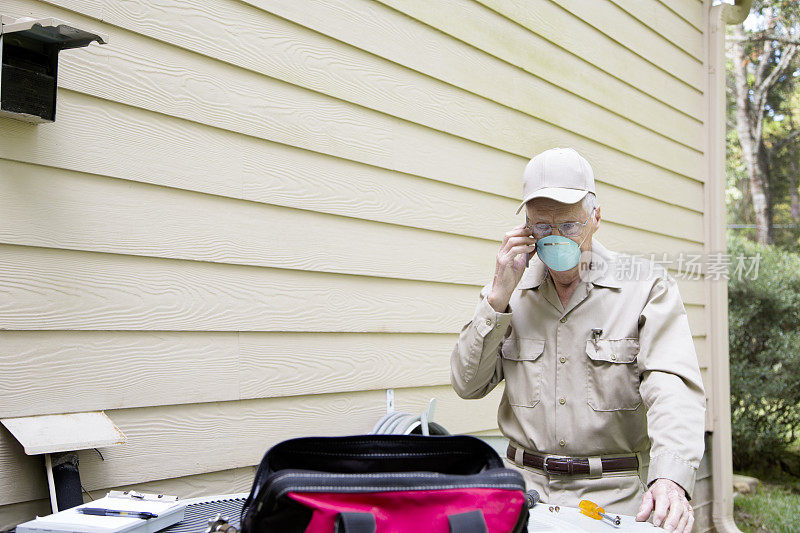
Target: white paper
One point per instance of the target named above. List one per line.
(72, 520)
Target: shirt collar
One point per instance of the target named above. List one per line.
(601, 269)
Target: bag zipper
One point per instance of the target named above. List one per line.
(304, 481)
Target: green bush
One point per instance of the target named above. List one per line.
(764, 323)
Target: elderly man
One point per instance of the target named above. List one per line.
(603, 398)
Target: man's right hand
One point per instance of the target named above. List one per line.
(510, 266)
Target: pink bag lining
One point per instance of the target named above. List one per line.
(414, 510)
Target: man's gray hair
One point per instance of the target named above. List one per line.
(588, 203)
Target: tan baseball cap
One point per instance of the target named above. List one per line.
(558, 173)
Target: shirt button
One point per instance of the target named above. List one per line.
(562, 442)
(563, 320)
(562, 401)
(613, 357)
(563, 359)
(488, 321)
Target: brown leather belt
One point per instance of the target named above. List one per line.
(572, 465)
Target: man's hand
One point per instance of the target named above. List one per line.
(510, 266)
(666, 495)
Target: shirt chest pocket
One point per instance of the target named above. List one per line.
(522, 369)
(612, 374)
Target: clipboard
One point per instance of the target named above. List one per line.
(168, 509)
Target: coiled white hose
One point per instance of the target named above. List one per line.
(398, 423)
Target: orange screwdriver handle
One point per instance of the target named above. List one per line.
(591, 509)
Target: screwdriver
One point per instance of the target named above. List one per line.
(593, 510)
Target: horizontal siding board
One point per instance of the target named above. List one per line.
(45, 370)
(27, 471)
(43, 199)
(222, 482)
(632, 240)
(492, 33)
(689, 10)
(16, 513)
(193, 432)
(60, 209)
(216, 161)
(557, 25)
(644, 213)
(703, 518)
(332, 11)
(635, 36)
(668, 24)
(628, 239)
(703, 491)
(295, 39)
(101, 137)
(365, 22)
(512, 131)
(60, 289)
(291, 364)
(98, 214)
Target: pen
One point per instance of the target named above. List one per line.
(113, 512)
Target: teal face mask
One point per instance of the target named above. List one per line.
(559, 253)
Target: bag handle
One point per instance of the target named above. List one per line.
(469, 522)
(355, 523)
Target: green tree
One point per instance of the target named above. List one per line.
(782, 144)
(763, 68)
(764, 330)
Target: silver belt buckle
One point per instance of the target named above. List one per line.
(547, 458)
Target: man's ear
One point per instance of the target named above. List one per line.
(596, 220)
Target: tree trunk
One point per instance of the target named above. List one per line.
(748, 126)
(793, 192)
(761, 207)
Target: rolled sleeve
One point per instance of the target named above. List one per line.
(671, 387)
(475, 366)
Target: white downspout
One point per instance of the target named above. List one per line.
(722, 462)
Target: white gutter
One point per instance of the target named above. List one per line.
(719, 17)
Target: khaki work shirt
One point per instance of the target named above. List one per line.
(635, 387)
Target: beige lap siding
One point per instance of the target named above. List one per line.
(283, 210)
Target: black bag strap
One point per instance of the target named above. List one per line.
(355, 523)
(469, 522)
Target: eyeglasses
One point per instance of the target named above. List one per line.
(567, 229)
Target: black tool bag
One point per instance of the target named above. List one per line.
(385, 483)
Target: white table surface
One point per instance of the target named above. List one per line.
(570, 519)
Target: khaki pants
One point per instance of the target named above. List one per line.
(617, 492)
